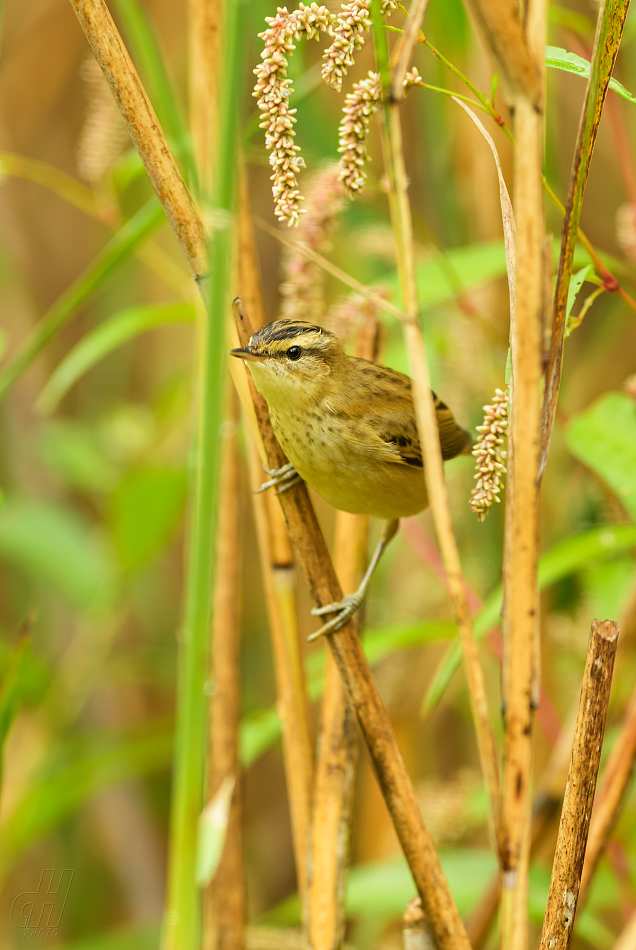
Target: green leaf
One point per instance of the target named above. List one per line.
(565, 558)
(22, 681)
(146, 509)
(212, 831)
(104, 339)
(557, 58)
(118, 249)
(604, 438)
(576, 282)
(73, 772)
(52, 544)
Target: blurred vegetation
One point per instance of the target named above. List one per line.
(94, 455)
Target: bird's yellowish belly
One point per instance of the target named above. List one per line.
(345, 473)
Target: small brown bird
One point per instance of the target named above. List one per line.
(348, 428)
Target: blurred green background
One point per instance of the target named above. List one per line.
(94, 448)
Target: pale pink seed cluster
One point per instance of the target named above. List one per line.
(353, 311)
(302, 287)
(354, 21)
(104, 136)
(360, 105)
(626, 231)
(273, 89)
(490, 455)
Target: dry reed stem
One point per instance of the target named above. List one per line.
(609, 799)
(522, 509)
(224, 900)
(417, 12)
(338, 742)
(433, 464)
(330, 268)
(205, 42)
(558, 925)
(627, 938)
(363, 695)
(502, 29)
(278, 573)
(146, 133)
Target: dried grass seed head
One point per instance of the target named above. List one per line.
(103, 136)
(273, 90)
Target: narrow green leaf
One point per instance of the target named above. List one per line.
(604, 438)
(118, 249)
(557, 58)
(142, 937)
(53, 545)
(104, 339)
(212, 831)
(564, 559)
(576, 283)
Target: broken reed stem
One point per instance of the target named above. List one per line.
(279, 581)
(558, 924)
(338, 738)
(143, 125)
(611, 793)
(609, 29)
(429, 436)
(224, 900)
(363, 694)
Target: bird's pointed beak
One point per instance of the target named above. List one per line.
(246, 353)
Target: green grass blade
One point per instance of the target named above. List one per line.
(564, 559)
(142, 40)
(104, 339)
(118, 249)
(557, 58)
(182, 920)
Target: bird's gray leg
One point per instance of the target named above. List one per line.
(351, 603)
(282, 479)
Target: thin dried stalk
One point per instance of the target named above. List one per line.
(145, 131)
(330, 268)
(224, 900)
(611, 793)
(337, 749)
(433, 465)
(558, 925)
(278, 573)
(363, 695)
(417, 12)
(609, 29)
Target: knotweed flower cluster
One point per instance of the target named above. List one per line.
(354, 21)
(490, 455)
(302, 289)
(626, 230)
(353, 311)
(360, 105)
(273, 89)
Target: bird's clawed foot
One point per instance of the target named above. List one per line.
(282, 479)
(344, 611)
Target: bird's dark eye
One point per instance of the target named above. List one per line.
(294, 352)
